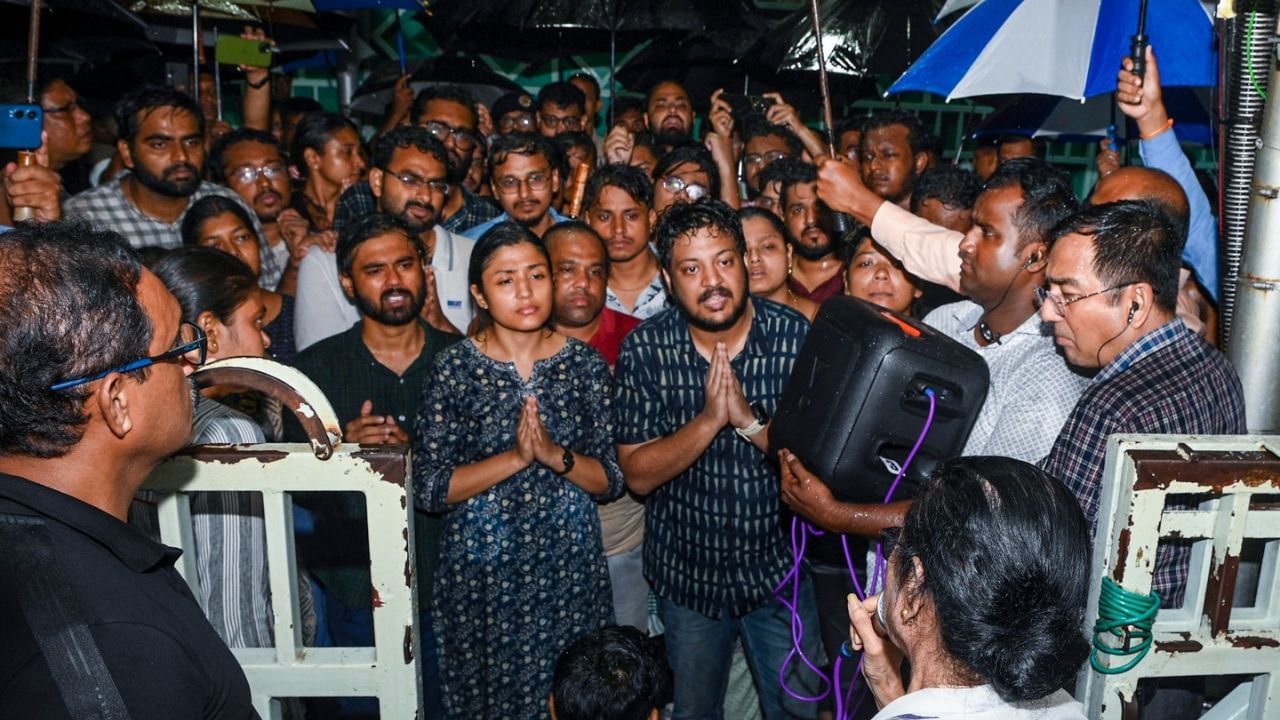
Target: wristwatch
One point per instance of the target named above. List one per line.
(568, 462)
(758, 424)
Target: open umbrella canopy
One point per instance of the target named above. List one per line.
(1070, 48)
(1065, 119)
(483, 83)
(860, 37)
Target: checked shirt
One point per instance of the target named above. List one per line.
(1170, 382)
(713, 534)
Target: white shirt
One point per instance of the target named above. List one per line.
(978, 703)
(1032, 389)
(322, 309)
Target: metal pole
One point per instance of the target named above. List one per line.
(27, 158)
(1253, 350)
(195, 51)
(828, 118)
(217, 78)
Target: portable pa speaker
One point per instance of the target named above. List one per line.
(855, 403)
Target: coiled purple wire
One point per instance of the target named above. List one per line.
(800, 530)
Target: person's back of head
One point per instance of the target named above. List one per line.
(1005, 554)
(71, 309)
(1047, 197)
(614, 673)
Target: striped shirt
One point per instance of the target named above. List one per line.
(229, 536)
(713, 534)
(107, 208)
(1169, 381)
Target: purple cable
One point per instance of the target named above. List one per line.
(804, 528)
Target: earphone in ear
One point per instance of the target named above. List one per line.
(1035, 258)
(1133, 310)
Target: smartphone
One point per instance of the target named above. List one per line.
(20, 126)
(745, 106)
(232, 50)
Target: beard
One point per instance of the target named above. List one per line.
(813, 252)
(705, 324)
(672, 137)
(398, 316)
(418, 226)
(162, 184)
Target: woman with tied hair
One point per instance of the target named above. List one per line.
(514, 445)
(768, 259)
(984, 596)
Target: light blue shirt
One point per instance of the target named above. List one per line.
(1163, 152)
(478, 231)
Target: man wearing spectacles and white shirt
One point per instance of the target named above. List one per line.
(524, 183)
(251, 162)
(409, 179)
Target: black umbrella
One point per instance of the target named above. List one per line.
(483, 83)
(861, 37)
(583, 25)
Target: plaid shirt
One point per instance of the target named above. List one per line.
(107, 208)
(1169, 382)
(358, 201)
(713, 534)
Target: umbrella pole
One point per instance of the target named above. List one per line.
(195, 51)
(1138, 43)
(404, 65)
(217, 78)
(27, 158)
(840, 222)
(613, 75)
(822, 78)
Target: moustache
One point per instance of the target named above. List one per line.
(718, 290)
(427, 207)
(172, 169)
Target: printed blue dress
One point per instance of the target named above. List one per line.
(522, 571)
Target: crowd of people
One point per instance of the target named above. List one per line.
(582, 333)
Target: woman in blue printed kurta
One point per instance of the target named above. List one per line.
(515, 446)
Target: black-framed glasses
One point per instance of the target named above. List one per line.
(675, 185)
(248, 173)
(1060, 303)
(463, 138)
(416, 182)
(192, 346)
(568, 122)
(512, 122)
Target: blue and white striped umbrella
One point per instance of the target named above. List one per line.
(1068, 48)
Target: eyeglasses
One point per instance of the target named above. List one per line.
(248, 173)
(518, 121)
(463, 138)
(569, 122)
(70, 106)
(192, 346)
(1060, 302)
(414, 182)
(510, 184)
(766, 159)
(675, 185)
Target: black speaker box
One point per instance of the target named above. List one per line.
(856, 403)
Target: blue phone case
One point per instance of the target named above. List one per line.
(20, 126)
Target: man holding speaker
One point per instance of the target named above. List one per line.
(696, 386)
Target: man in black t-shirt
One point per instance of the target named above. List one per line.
(94, 394)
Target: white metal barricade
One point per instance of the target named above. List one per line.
(1229, 478)
(387, 671)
